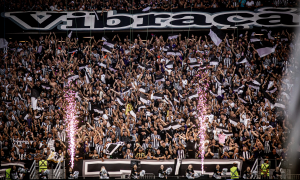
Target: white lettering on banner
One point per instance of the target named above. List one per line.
(19, 143)
(113, 22)
(86, 21)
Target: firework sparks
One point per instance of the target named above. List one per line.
(71, 122)
(201, 108)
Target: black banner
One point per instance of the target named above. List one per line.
(119, 167)
(180, 19)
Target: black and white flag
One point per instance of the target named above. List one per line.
(121, 101)
(46, 86)
(106, 48)
(97, 109)
(245, 102)
(126, 90)
(112, 147)
(214, 62)
(157, 96)
(70, 35)
(146, 9)
(176, 100)
(216, 35)
(195, 64)
(102, 65)
(272, 90)
(141, 107)
(159, 78)
(227, 134)
(72, 50)
(234, 122)
(142, 66)
(174, 125)
(193, 60)
(254, 85)
(132, 113)
(144, 99)
(254, 39)
(72, 77)
(105, 38)
(280, 105)
(170, 65)
(142, 89)
(264, 48)
(270, 35)
(193, 95)
(166, 48)
(174, 53)
(243, 60)
(173, 36)
(109, 43)
(83, 67)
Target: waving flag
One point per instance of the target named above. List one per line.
(216, 35)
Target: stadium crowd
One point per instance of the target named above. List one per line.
(144, 94)
(130, 5)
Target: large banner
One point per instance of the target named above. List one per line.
(119, 167)
(184, 19)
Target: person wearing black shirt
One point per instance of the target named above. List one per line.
(190, 146)
(163, 148)
(217, 172)
(274, 157)
(134, 173)
(14, 173)
(158, 155)
(209, 154)
(162, 132)
(5, 148)
(35, 93)
(277, 173)
(162, 173)
(189, 173)
(247, 173)
(87, 153)
(78, 155)
(103, 173)
(70, 173)
(57, 146)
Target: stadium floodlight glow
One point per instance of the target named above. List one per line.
(71, 122)
(201, 112)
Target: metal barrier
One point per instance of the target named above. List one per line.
(293, 176)
(56, 172)
(148, 176)
(2, 177)
(32, 170)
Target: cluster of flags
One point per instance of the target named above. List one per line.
(263, 48)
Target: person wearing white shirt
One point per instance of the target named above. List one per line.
(53, 7)
(250, 3)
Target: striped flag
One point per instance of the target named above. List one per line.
(144, 99)
(70, 35)
(142, 89)
(121, 101)
(264, 48)
(216, 35)
(172, 125)
(106, 48)
(173, 36)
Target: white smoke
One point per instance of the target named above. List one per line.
(293, 110)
